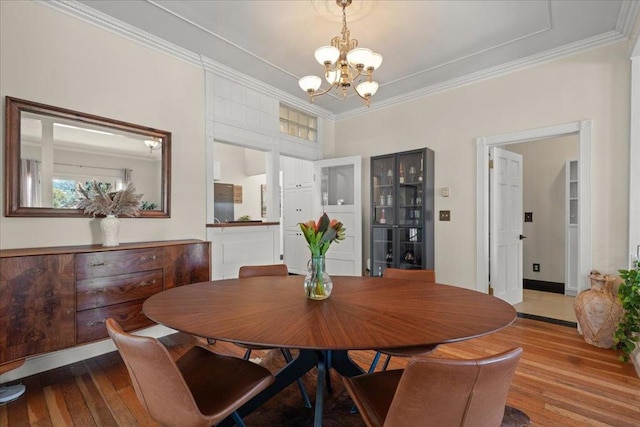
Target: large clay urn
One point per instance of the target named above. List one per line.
(598, 310)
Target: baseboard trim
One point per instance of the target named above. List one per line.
(541, 285)
(56, 359)
(548, 320)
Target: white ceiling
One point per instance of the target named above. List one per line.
(425, 44)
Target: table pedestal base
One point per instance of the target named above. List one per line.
(306, 360)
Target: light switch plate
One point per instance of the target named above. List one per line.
(445, 215)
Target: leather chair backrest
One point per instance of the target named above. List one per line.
(428, 276)
(156, 379)
(446, 392)
(263, 270)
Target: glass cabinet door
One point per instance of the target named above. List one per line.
(382, 256)
(383, 181)
(410, 244)
(410, 197)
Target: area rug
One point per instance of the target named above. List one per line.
(287, 409)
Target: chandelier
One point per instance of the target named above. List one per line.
(153, 144)
(345, 65)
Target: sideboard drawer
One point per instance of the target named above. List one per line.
(101, 264)
(90, 324)
(103, 291)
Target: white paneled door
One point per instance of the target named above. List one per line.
(338, 192)
(506, 225)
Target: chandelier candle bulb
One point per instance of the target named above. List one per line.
(327, 55)
(310, 83)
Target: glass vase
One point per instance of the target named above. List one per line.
(317, 284)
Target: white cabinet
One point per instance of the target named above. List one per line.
(296, 253)
(297, 173)
(298, 206)
(235, 246)
(571, 228)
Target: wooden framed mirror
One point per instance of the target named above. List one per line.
(49, 149)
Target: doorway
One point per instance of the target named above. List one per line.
(583, 131)
(547, 165)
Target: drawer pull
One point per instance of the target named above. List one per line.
(97, 264)
(146, 283)
(98, 291)
(144, 258)
(97, 322)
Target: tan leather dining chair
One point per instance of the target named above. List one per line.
(270, 270)
(437, 392)
(425, 276)
(200, 389)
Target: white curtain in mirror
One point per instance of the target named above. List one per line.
(30, 193)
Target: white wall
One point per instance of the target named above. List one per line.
(591, 85)
(56, 59)
(544, 195)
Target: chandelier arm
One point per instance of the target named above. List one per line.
(316, 93)
(358, 93)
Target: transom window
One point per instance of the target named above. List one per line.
(298, 123)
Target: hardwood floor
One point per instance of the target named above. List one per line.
(560, 381)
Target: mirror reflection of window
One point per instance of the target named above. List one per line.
(58, 153)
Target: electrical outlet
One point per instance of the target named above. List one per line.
(536, 267)
(445, 215)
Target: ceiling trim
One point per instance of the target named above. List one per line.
(106, 22)
(497, 71)
(627, 16)
(626, 20)
(219, 37)
(130, 32)
(634, 32)
(548, 27)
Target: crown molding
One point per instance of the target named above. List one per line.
(106, 22)
(99, 19)
(627, 16)
(629, 11)
(634, 29)
(497, 71)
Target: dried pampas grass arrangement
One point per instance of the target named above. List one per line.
(95, 200)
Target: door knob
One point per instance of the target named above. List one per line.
(522, 237)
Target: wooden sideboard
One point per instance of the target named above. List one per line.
(58, 297)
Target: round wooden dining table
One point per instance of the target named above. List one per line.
(362, 313)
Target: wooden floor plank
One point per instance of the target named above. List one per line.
(58, 410)
(111, 397)
(94, 401)
(560, 381)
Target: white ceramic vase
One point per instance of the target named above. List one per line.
(110, 227)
